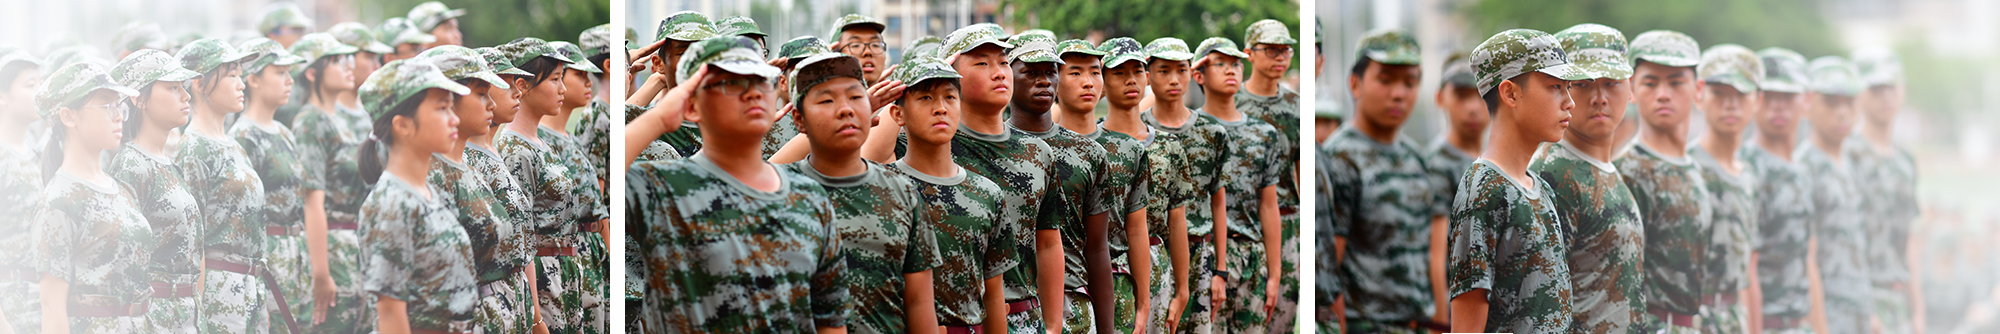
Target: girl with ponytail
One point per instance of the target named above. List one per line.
(231, 193)
(329, 141)
(20, 181)
(552, 183)
(163, 195)
(274, 153)
(91, 243)
(419, 258)
(492, 168)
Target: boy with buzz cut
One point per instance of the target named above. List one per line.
(962, 207)
(1734, 76)
(677, 32)
(892, 251)
(1889, 172)
(1394, 262)
(711, 241)
(1599, 214)
(861, 36)
(1145, 289)
(1120, 194)
(1271, 47)
(1837, 249)
(1465, 115)
(1024, 167)
(1198, 145)
(1078, 175)
(1250, 229)
(1507, 242)
(1784, 208)
(1668, 185)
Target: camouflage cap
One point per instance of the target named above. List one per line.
(802, 47)
(971, 37)
(686, 26)
(521, 50)
(1516, 52)
(499, 62)
(265, 52)
(318, 45)
(1330, 111)
(580, 63)
(632, 39)
(204, 55)
(1833, 75)
(1597, 50)
(1733, 65)
(1065, 48)
(739, 25)
(1043, 32)
(1784, 70)
(820, 68)
(1878, 66)
(1389, 46)
(144, 67)
(428, 15)
(1033, 48)
(851, 20)
(459, 63)
(72, 83)
(400, 80)
(1122, 49)
(9, 55)
(1219, 44)
(595, 41)
(282, 15)
(922, 68)
(1665, 47)
(1268, 31)
(72, 54)
(141, 35)
(358, 35)
(399, 31)
(1168, 48)
(1458, 70)
(923, 47)
(736, 54)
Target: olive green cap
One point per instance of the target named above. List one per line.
(1268, 31)
(1833, 75)
(204, 55)
(595, 41)
(1597, 50)
(1516, 52)
(1033, 48)
(282, 15)
(686, 26)
(820, 68)
(572, 52)
(265, 52)
(1219, 44)
(926, 46)
(1389, 46)
(500, 63)
(1732, 65)
(400, 80)
(736, 54)
(318, 45)
(739, 25)
(521, 50)
(399, 31)
(922, 68)
(1077, 46)
(428, 15)
(358, 35)
(458, 63)
(1665, 47)
(72, 83)
(801, 47)
(1784, 70)
(971, 37)
(1168, 48)
(849, 20)
(1458, 70)
(1120, 50)
(144, 67)
(1878, 66)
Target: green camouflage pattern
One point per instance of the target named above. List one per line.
(1168, 48)
(92, 236)
(1734, 223)
(1243, 312)
(358, 35)
(1024, 168)
(67, 55)
(1890, 178)
(276, 160)
(1832, 75)
(876, 214)
(1340, 195)
(735, 54)
(1730, 318)
(581, 61)
(234, 303)
(595, 41)
(1386, 273)
(169, 207)
(1843, 241)
(1162, 289)
(503, 306)
(1077, 316)
(499, 62)
(1457, 72)
(1256, 160)
(1675, 205)
(1733, 65)
(1606, 238)
(685, 141)
(924, 47)
(738, 26)
(417, 252)
(1033, 48)
(72, 84)
(801, 47)
(594, 134)
(1516, 52)
(1281, 111)
(266, 52)
(428, 15)
(500, 247)
(1892, 309)
(225, 181)
(915, 71)
(812, 71)
(1069, 46)
(1878, 66)
(1122, 49)
(971, 37)
(1784, 70)
(1665, 47)
(587, 276)
(144, 67)
(520, 51)
(1188, 167)
(282, 15)
(460, 63)
(398, 31)
(511, 295)
(1219, 44)
(1268, 31)
(1123, 190)
(1125, 317)
(723, 257)
(1784, 212)
(1596, 50)
(1028, 321)
(1390, 46)
(1080, 174)
(1448, 163)
(846, 21)
(204, 55)
(685, 26)
(551, 187)
(659, 150)
(329, 144)
(1509, 240)
(401, 80)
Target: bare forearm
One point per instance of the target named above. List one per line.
(919, 300)
(1439, 240)
(881, 144)
(1140, 254)
(1468, 312)
(316, 232)
(55, 304)
(996, 306)
(1050, 275)
(392, 316)
(793, 151)
(1815, 289)
(1097, 266)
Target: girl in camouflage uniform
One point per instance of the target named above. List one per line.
(328, 137)
(594, 265)
(20, 180)
(273, 152)
(486, 214)
(162, 193)
(549, 180)
(508, 191)
(229, 190)
(91, 243)
(418, 258)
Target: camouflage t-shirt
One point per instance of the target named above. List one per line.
(169, 206)
(20, 182)
(1840, 228)
(418, 253)
(1335, 207)
(658, 150)
(782, 131)
(591, 204)
(1734, 221)
(963, 211)
(1387, 269)
(1508, 239)
(593, 133)
(231, 195)
(686, 139)
(1784, 218)
(1256, 160)
(1202, 147)
(1605, 234)
(722, 257)
(329, 144)
(1282, 113)
(1079, 175)
(1674, 203)
(1022, 166)
(500, 248)
(91, 235)
(1124, 189)
(1448, 163)
(1891, 179)
(548, 183)
(277, 162)
(875, 214)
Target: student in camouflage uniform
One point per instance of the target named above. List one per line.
(1839, 242)
(961, 207)
(366, 60)
(1391, 253)
(592, 265)
(711, 240)
(435, 19)
(283, 23)
(795, 146)
(328, 139)
(1733, 75)
(1889, 172)
(861, 36)
(500, 246)
(508, 192)
(1119, 193)
(1271, 47)
(1601, 219)
(1783, 209)
(1142, 290)
(537, 157)
(1507, 241)
(419, 259)
(20, 182)
(404, 38)
(891, 250)
(593, 128)
(677, 32)
(782, 129)
(1077, 177)
(230, 192)
(1465, 115)
(1194, 146)
(92, 245)
(1252, 171)
(274, 153)
(1669, 187)
(161, 191)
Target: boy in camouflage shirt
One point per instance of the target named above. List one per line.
(1732, 75)
(1251, 174)
(1783, 207)
(1271, 48)
(676, 32)
(1507, 242)
(1669, 187)
(1458, 98)
(1078, 175)
(1890, 172)
(1839, 242)
(961, 207)
(1144, 289)
(1600, 217)
(1121, 194)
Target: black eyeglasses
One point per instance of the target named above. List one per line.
(1273, 51)
(863, 47)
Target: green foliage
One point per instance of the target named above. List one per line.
(495, 22)
(1145, 20)
(1794, 24)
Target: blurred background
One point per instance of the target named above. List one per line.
(1951, 120)
(41, 26)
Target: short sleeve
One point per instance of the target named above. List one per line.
(390, 246)
(1474, 236)
(315, 151)
(1136, 198)
(923, 253)
(1275, 166)
(831, 305)
(56, 234)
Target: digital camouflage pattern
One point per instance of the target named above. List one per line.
(170, 209)
(1732, 65)
(1784, 212)
(92, 236)
(1734, 223)
(1784, 70)
(739, 26)
(1268, 31)
(430, 14)
(232, 197)
(275, 157)
(587, 276)
(1448, 163)
(572, 52)
(283, 15)
(1282, 112)
(1385, 274)
(265, 52)
(1389, 46)
(1077, 316)
(1890, 177)
(1124, 189)
(1079, 177)
(460, 63)
(1120, 50)
(876, 215)
(500, 248)
(1334, 207)
(1606, 239)
(1843, 241)
(418, 253)
(735, 54)
(1195, 153)
(687, 26)
(72, 84)
(1665, 47)
(594, 134)
(1878, 66)
(1516, 52)
(1023, 166)
(1675, 205)
(398, 31)
(801, 47)
(329, 143)
(1256, 160)
(971, 37)
(1596, 50)
(509, 297)
(1033, 48)
(723, 257)
(659, 150)
(204, 55)
(1508, 240)
(596, 40)
(144, 67)
(398, 81)
(358, 35)
(963, 211)
(848, 20)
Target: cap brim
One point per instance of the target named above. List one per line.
(1387, 59)
(439, 81)
(1279, 40)
(516, 71)
(1670, 61)
(120, 89)
(1231, 53)
(178, 75)
(1741, 85)
(746, 67)
(586, 67)
(1115, 61)
(1565, 71)
(1783, 87)
(1173, 55)
(288, 60)
(378, 48)
(492, 79)
(1004, 45)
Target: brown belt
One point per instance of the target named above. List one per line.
(555, 251)
(1722, 298)
(1155, 241)
(342, 226)
(269, 283)
(1782, 323)
(438, 331)
(964, 330)
(108, 311)
(283, 231)
(592, 226)
(1022, 306)
(164, 290)
(1677, 319)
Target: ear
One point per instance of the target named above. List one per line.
(403, 126)
(1439, 99)
(1509, 93)
(68, 117)
(693, 113)
(1353, 83)
(896, 113)
(519, 82)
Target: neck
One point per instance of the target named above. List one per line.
(1082, 121)
(1722, 147)
(1221, 106)
(262, 111)
(933, 159)
(1030, 120)
(322, 102)
(985, 119)
(14, 128)
(556, 121)
(409, 165)
(151, 139)
(1670, 141)
(837, 163)
(81, 161)
(350, 98)
(485, 140)
(1262, 86)
(524, 124)
(1125, 120)
(457, 152)
(207, 120)
(743, 159)
(1469, 141)
(1877, 133)
(1780, 145)
(1379, 132)
(1171, 113)
(1510, 151)
(1829, 145)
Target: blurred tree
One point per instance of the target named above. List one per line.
(1145, 20)
(495, 22)
(1799, 25)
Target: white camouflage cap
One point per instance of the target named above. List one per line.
(1520, 51)
(1666, 47)
(1732, 65)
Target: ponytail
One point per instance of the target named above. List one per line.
(52, 155)
(370, 154)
